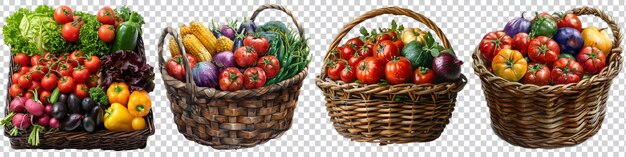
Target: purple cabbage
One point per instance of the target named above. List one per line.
(224, 60)
(517, 25)
(129, 67)
(205, 74)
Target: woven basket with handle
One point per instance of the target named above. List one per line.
(231, 119)
(372, 113)
(102, 139)
(555, 115)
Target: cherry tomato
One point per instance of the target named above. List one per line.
(357, 42)
(16, 90)
(15, 77)
(386, 50)
(118, 21)
(106, 33)
(29, 94)
(34, 85)
(44, 97)
(370, 70)
(93, 81)
(49, 82)
(66, 84)
(35, 60)
(70, 31)
(106, 15)
(24, 81)
(537, 74)
(355, 59)
(21, 59)
(348, 74)
(93, 64)
(77, 58)
(81, 90)
(399, 44)
(63, 14)
(65, 69)
(423, 75)
(80, 74)
(398, 70)
(348, 51)
(24, 70)
(334, 69)
(367, 50)
(37, 72)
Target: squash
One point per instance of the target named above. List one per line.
(415, 53)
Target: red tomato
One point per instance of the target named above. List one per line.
(93, 63)
(93, 81)
(118, 20)
(334, 53)
(245, 56)
(77, 58)
(175, 66)
(493, 42)
(80, 74)
(15, 77)
(106, 15)
(37, 72)
(569, 20)
(16, 90)
(398, 70)
(34, 85)
(348, 51)
(63, 14)
(70, 31)
(106, 33)
(566, 71)
(81, 90)
(24, 70)
(386, 50)
(79, 21)
(355, 59)
(423, 75)
(66, 84)
(29, 95)
(357, 42)
(592, 59)
(259, 43)
(348, 74)
(24, 81)
(231, 79)
(65, 69)
(367, 50)
(370, 70)
(35, 60)
(334, 69)
(49, 57)
(543, 50)
(389, 35)
(544, 14)
(44, 96)
(399, 44)
(537, 74)
(520, 43)
(270, 65)
(49, 82)
(254, 77)
(21, 59)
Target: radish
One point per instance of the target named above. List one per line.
(48, 109)
(54, 123)
(44, 121)
(34, 107)
(17, 105)
(21, 121)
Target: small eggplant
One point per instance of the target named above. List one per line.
(87, 104)
(63, 98)
(59, 110)
(247, 26)
(88, 124)
(97, 114)
(73, 104)
(73, 122)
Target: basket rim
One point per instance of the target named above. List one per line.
(607, 74)
(404, 88)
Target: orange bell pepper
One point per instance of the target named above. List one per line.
(139, 103)
(118, 93)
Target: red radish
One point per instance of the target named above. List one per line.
(48, 109)
(44, 121)
(17, 105)
(34, 107)
(21, 121)
(54, 123)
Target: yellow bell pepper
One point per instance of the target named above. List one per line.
(117, 118)
(138, 123)
(139, 103)
(118, 93)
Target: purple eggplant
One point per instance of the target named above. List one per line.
(517, 25)
(248, 27)
(570, 40)
(215, 30)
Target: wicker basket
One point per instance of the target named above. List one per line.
(550, 116)
(102, 139)
(371, 113)
(231, 119)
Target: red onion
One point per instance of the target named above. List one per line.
(447, 67)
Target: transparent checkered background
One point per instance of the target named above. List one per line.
(468, 134)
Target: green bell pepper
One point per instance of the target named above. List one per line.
(126, 35)
(543, 26)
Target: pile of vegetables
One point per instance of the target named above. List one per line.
(58, 83)
(232, 58)
(547, 50)
(393, 56)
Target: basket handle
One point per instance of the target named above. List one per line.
(382, 11)
(188, 76)
(283, 9)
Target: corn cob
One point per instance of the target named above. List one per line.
(224, 44)
(204, 35)
(194, 46)
(184, 30)
(173, 47)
